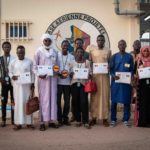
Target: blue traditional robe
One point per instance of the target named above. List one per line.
(120, 92)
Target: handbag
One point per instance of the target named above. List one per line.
(32, 105)
(90, 87)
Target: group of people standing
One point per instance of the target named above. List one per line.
(62, 82)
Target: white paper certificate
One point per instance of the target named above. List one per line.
(125, 77)
(100, 68)
(24, 78)
(80, 73)
(144, 73)
(45, 70)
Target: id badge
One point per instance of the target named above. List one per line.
(6, 78)
(147, 81)
(53, 59)
(78, 84)
(127, 65)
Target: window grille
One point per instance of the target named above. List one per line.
(17, 30)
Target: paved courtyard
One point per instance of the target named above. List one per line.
(73, 138)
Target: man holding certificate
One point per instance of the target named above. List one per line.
(81, 68)
(121, 69)
(22, 78)
(100, 57)
(44, 60)
(65, 61)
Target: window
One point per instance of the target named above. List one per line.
(17, 30)
(145, 39)
(145, 1)
(145, 29)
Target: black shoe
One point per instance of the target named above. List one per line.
(53, 125)
(3, 124)
(42, 127)
(78, 124)
(67, 123)
(60, 124)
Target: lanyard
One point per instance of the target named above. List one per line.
(6, 63)
(80, 65)
(5, 60)
(64, 64)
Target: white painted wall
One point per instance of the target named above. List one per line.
(43, 12)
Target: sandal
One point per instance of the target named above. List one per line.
(3, 124)
(92, 122)
(17, 127)
(105, 123)
(30, 126)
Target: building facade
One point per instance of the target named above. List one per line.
(22, 22)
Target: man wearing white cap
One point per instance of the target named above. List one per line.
(47, 84)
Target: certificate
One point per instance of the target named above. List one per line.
(80, 73)
(144, 73)
(45, 70)
(124, 77)
(24, 78)
(100, 68)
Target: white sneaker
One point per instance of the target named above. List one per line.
(127, 124)
(113, 123)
